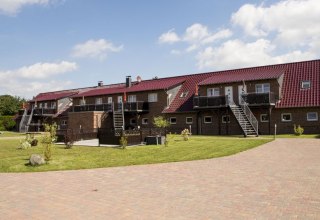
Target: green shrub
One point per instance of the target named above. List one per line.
(185, 134)
(123, 142)
(69, 139)
(298, 130)
(169, 138)
(7, 123)
(47, 140)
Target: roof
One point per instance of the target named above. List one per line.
(50, 96)
(247, 74)
(146, 85)
(292, 93)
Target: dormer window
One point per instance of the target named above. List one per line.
(184, 94)
(306, 84)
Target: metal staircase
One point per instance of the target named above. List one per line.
(245, 118)
(25, 121)
(118, 118)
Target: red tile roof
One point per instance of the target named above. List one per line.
(248, 74)
(145, 85)
(53, 95)
(292, 93)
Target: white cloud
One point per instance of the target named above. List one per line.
(95, 49)
(295, 22)
(236, 54)
(169, 37)
(30, 80)
(13, 7)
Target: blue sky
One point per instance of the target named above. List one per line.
(48, 45)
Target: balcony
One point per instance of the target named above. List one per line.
(139, 106)
(93, 107)
(44, 111)
(204, 102)
(258, 99)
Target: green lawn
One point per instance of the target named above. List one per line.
(80, 157)
(11, 134)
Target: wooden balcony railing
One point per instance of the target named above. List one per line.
(210, 102)
(259, 98)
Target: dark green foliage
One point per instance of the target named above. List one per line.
(7, 123)
(9, 105)
(69, 139)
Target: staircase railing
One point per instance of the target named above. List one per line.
(29, 120)
(23, 121)
(252, 119)
(238, 116)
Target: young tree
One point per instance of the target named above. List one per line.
(48, 139)
(161, 122)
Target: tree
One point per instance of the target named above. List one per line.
(10, 105)
(160, 122)
(48, 139)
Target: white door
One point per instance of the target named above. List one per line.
(241, 90)
(229, 92)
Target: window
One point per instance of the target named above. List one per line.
(45, 105)
(98, 101)
(152, 97)
(173, 120)
(133, 121)
(145, 121)
(225, 118)
(306, 84)
(53, 105)
(169, 99)
(82, 101)
(64, 122)
(207, 119)
(40, 105)
(263, 88)
(109, 100)
(264, 118)
(213, 92)
(184, 94)
(286, 117)
(132, 98)
(189, 120)
(312, 116)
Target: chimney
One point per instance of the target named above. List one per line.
(128, 81)
(100, 83)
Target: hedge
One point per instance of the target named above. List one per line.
(7, 123)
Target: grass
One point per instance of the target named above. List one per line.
(81, 157)
(293, 136)
(11, 134)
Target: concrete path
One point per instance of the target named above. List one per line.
(279, 180)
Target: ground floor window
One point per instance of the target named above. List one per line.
(64, 122)
(312, 116)
(207, 119)
(189, 120)
(145, 121)
(264, 118)
(285, 117)
(225, 118)
(133, 121)
(173, 120)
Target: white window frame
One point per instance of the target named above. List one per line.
(45, 105)
(132, 98)
(312, 119)
(145, 121)
(284, 120)
(98, 101)
(264, 87)
(110, 100)
(305, 84)
(225, 121)
(184, 94)
(53, 105)
(188, 122)
(213, 92)
(173, 123)
(261, 120)
(204, 119)
(64, 122)
(40, 105)
(152, 97)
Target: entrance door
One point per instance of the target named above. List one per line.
(228, 91)
(241, 90)
(119, 102)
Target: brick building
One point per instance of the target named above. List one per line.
(247, 101)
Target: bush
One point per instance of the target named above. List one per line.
(185, 134)
(24, 144)
(169, 138)
(298, 130)
(123, 142)
(69, 139)
(48, 139)
(28, 142)
(7, 123)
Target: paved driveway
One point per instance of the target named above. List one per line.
(279, 180)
